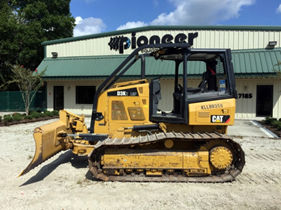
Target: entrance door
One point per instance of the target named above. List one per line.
(58, 98)
(264, 100)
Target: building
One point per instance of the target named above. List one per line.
(76, 66)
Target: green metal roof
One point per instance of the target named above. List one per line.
(98, 66)
(161, 28)
(255, 62)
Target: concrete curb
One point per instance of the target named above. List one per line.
(265, 130)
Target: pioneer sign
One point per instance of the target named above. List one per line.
(122, 43)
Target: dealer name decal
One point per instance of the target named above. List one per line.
(212, 106)
(122, 43)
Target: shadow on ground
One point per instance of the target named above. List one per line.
(76, 161)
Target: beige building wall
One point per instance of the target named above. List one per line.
(166, 103)
(233, 39)
(70, 95)
(245, 107)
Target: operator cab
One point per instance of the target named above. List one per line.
(217, 81)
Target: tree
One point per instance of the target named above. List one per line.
(40, 21)
(8, 40)
(28, 83)
(24, 25)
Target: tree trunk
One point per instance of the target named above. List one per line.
(27, 102)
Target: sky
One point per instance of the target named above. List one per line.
(97, 16)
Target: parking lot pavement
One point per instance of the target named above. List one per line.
(248, 128)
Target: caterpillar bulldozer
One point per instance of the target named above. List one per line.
(131, 139)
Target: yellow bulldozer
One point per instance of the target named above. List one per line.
(131, 139)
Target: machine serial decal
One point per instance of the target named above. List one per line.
(211, 106)
(220, 118)
(125, 92)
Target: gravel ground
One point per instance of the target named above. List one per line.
(61, 183)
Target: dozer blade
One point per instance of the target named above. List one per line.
(47, 143)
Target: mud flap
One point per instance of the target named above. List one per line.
(47, 143)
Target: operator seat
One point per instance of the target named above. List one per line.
(155, 94)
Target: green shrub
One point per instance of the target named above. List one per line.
(8, 118)
(268, 120)
(55, 113)
(41, 114)
(279, 127)
(35, 114)
(48, 113)
(0, 118)
(28, 117)
(274, 123)
(16, 114)
(17, 117)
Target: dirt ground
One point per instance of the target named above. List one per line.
(61, 182)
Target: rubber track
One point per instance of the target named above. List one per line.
(235, 169)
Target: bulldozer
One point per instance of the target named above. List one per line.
(131, 138)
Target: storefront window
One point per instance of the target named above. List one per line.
(85, 94)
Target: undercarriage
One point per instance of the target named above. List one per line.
(173, 157)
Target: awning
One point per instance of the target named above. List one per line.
(254, 62)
